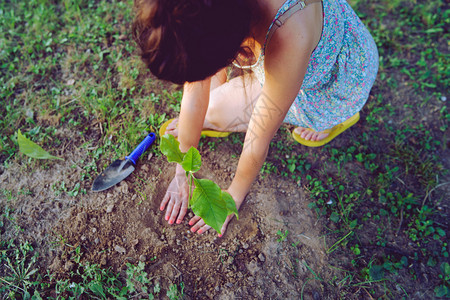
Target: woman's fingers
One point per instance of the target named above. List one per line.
(164, 202)
(224, 226)
(169, 209)
(175, 210)
(183, 211)
(203, 229)
(194, 220)
(198, 223)
(175, 201)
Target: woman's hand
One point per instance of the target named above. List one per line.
(176, 198)
(199, 226)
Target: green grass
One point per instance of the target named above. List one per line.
(373, 193)
(71, 65)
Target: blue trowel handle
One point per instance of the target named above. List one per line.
(141, 148)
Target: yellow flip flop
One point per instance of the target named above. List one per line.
(333, 132)
(209, 133)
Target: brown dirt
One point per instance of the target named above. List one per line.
(124, 225)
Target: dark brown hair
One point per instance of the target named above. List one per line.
(189, 40)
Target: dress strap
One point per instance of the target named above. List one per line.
(278, 22)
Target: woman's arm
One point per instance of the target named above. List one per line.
(286, 60)
(194, 105)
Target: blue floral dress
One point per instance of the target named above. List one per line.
(340, 73)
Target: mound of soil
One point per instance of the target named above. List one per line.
(267, 253)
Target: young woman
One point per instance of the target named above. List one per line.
(313, 64)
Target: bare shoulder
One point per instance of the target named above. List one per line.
(302, 31)
(288, 53)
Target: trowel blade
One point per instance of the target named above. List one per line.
(115, 173)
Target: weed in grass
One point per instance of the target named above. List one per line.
(212, 145)
(89, 280)
(297, 163)
(268, 168)
(173, 293)
(282, 236)
(443, 290)
(173, 100)
(20, 269)
(315, 277)
(138, 282)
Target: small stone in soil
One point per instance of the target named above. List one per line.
(109, 208)
(261, 257)
(82, 217)
(120, 249)
(142, 258)
(68, 266)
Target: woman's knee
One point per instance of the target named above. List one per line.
(216, 112)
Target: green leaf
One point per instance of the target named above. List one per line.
(26, 295)
(376, 272)
(441, 291)
(97, 289)
(440, 231)
(172, 292)
(231, 205)
(207, 203)
(192, 160)
(170, 147)
(36, 296)
(356, 250)
(445, 268)
(32, 149)
(334, 217)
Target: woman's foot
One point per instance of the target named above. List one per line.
(311, 138)
(172, 128)
(311, 135)
(209, 129)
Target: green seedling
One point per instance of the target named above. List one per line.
(207, 200)
(282, 235)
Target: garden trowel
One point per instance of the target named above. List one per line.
(120, 169)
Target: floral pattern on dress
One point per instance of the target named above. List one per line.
(341, 71)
